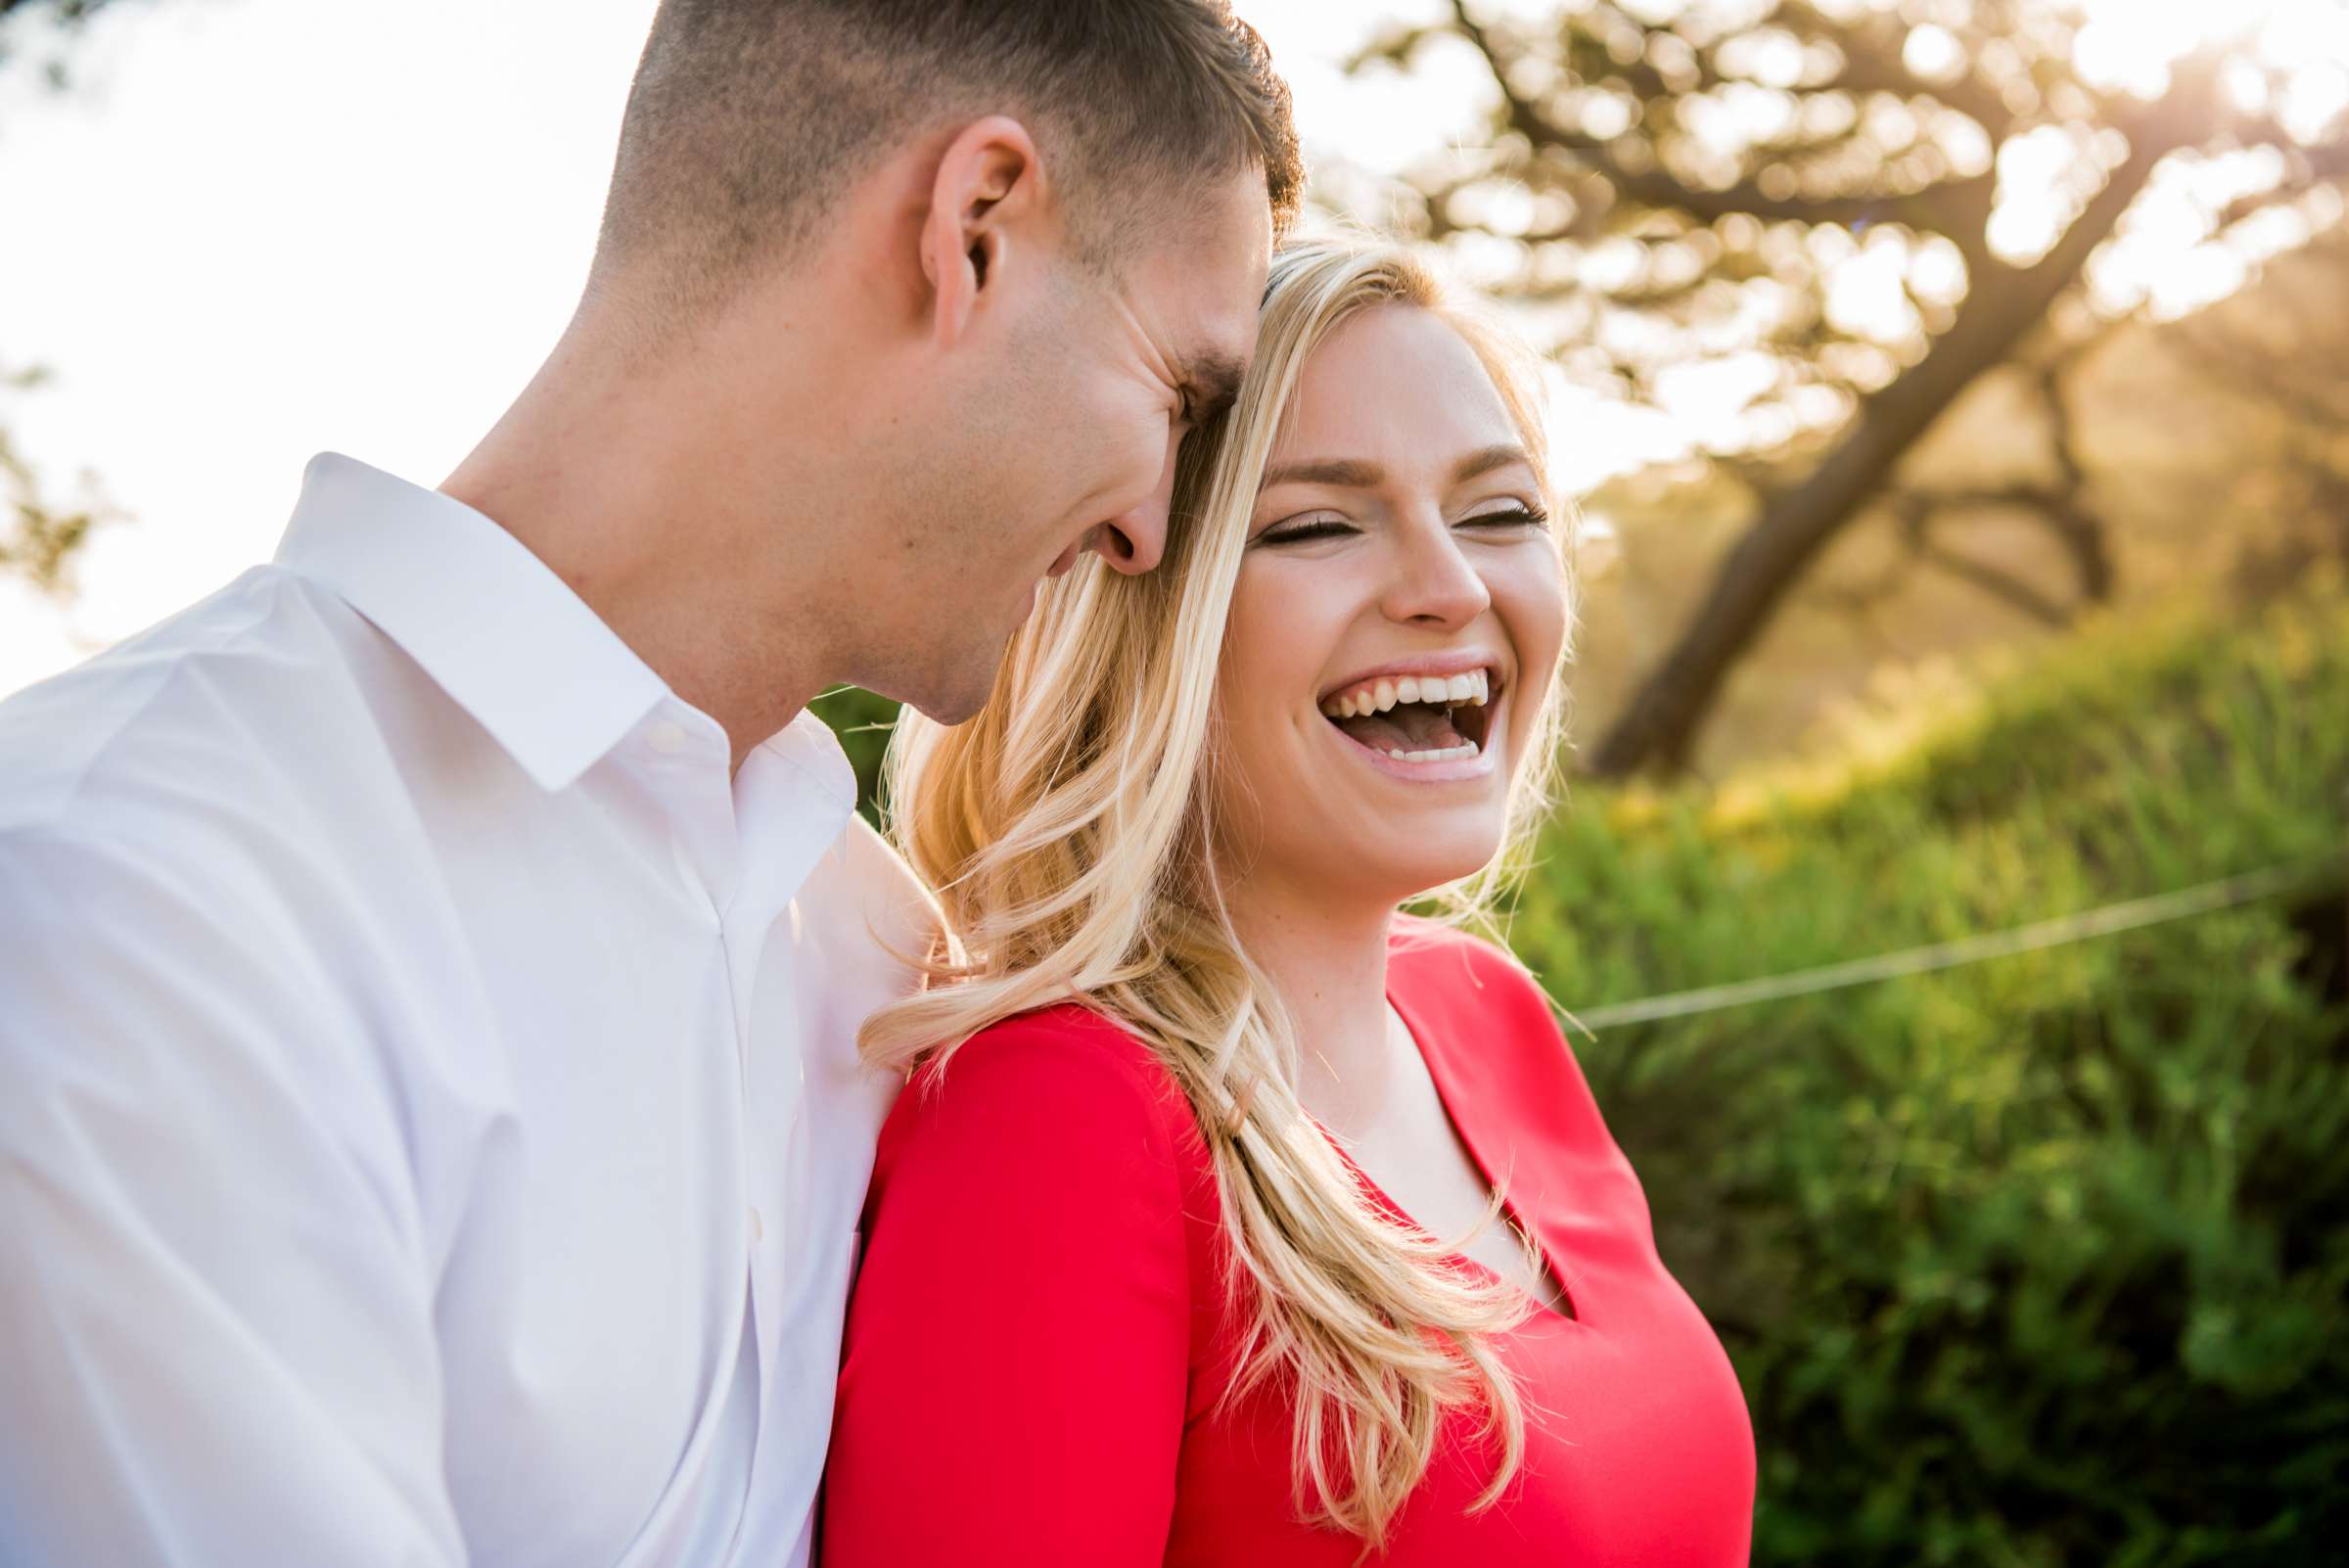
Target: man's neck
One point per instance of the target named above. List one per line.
(597, 474)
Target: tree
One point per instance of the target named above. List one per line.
(1864, 209)
(38, 534)
(64, 14)
(2282, 354)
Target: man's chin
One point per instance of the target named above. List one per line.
(959, 712)
(958, 697)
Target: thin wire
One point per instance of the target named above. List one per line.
(2184, 905)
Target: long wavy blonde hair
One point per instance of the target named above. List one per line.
(1070, 831)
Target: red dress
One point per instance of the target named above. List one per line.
(1033, 1361)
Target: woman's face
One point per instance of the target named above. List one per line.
(1398, 613)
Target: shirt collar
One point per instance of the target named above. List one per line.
(488, 621)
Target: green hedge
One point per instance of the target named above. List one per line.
(2041, 1261)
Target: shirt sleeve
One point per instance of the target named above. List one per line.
(1017, 1356)
(216, 1315)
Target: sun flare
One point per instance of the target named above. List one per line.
(2133, 44)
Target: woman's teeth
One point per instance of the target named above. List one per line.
(1424, 732)
(1376, 698)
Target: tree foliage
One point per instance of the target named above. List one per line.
(39, 536)
(1858, 208)
(2043, 1260)
(38, 533)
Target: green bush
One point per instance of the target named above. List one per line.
(2041, 1261)
(862, 722)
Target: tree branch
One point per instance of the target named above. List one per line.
(1660, 189)
(1873, 63)
(1999, 584)
(1660, 723)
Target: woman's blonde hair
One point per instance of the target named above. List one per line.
(1070, 830)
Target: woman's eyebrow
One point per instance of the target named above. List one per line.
(1486, 461)
(1354, 473)
(1347, 472)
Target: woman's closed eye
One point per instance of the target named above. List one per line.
(1310, 526)
(1307, 526)
(1516, 515)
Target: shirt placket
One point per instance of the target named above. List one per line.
(744, 845)
(683, 758)
(786, 825)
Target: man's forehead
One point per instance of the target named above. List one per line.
(1220, 339)
(1208, 277)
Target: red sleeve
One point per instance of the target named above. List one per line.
(1017, 1355)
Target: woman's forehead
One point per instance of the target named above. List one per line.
(1397, 385)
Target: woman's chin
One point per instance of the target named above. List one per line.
(1393, 873)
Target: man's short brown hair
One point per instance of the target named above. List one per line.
(750, 120)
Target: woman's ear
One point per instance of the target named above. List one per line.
(989, 187)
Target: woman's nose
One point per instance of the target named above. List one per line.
(1433, 582)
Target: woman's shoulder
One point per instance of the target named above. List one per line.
(1479, 1014)
(1069, 1052)
(1065, 1080)
(1436, 965)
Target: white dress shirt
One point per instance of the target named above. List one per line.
(431, 1129)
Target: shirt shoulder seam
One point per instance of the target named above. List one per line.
(210, 641)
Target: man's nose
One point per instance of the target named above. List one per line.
(1135, 540)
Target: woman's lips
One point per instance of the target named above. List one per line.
(1424, 769)
(1419, 719)
(1450, 663)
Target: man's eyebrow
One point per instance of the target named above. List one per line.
(1486, 461)
(1210, 385)
(1347, 473)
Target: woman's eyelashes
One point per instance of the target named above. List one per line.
(1517, 516)
(1329, 525)
(1297, 529)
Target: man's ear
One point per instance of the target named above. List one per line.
(990, 185)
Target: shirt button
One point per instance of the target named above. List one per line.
(758, 1226)
(666, 737)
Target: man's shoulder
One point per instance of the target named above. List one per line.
(160, 857)
(862, 879)
(202, 702)
(866, 923)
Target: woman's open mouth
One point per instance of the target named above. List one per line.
(1418, 720)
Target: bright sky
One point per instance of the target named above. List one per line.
(259, 228)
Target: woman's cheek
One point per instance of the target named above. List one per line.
(1532, 603)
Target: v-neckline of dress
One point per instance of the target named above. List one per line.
(1568, 1309)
